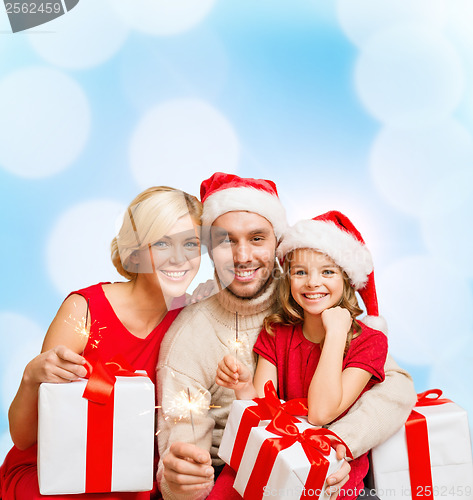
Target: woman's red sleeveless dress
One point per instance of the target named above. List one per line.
(108, 337)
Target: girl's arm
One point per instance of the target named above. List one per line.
(265, 370)
(58, 362)
(237, 376)
(332, 389)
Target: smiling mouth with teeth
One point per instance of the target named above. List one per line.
(314, 295)
(244, 274)
(175, 275)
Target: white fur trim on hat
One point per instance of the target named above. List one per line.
(245, 199)
(376, 323)
(343, 248)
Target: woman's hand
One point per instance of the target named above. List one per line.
(234, 375)
(58, 365)
(59, 362)
(337, 321)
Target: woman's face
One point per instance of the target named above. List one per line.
(174, 259)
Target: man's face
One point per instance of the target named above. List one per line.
(243, 251)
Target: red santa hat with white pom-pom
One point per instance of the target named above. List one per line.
(224, 193)
(334, 234)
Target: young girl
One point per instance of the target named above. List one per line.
(313, 346)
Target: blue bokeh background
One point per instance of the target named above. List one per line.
(357, 105)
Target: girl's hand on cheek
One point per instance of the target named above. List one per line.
(337, 321)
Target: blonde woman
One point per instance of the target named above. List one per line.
(158, 251)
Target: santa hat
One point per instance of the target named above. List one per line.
(224, 193)
(334, 234)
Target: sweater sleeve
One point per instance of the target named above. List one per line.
(379, 412)
(174, 423)
(187, 364)
(184, 368)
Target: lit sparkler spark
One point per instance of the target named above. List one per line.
(83, 327)
(186, 406)
(183, 403)
(236, 345)
(80, 326)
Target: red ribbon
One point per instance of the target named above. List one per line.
(99, 392)
(425, 399)
(267, 407)
(417, 438)
(315, 443)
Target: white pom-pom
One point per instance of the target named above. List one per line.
(376, 323)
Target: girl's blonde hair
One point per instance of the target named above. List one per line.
(289, 312)
(147, 219)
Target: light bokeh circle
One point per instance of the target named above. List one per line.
(202, 71)
(454, 376)
(180, 143)
(44, 122)
(21, 341)
(412, 169)
(78, 248)
(421, 309)
(162, 17)
(86, 36)
(448, 235)
(361, 19)
(409, 77)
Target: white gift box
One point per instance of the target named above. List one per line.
(62, 436)
(227, 443)
(290, 470)
(450, 458)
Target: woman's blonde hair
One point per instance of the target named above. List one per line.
(147, 219)
(289, 312)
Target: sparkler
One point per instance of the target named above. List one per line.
(82, 328)
(237, 341)
(190, 412)
(187, 405)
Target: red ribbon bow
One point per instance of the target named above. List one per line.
(425, 399)
(267, 408)
(99, 392)
(102, 378)
(273, 404)
(417, 439)
(315, 443)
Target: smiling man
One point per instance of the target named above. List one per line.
(243, 219)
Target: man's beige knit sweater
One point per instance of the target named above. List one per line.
(202, 335)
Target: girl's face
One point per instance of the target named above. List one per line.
(316, 281)
(174, 259)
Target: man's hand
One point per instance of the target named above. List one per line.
(187, 468)
(336, 480)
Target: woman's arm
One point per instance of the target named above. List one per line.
(58, 362)
(332, 389)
